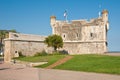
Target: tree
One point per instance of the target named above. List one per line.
(13, 30)
(4, 34)
(54, 41)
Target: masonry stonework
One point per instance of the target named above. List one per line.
(79, 37)
(26, 44)
(82, 36)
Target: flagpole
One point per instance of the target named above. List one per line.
(99, 11)
(66, 18)
(65, 15)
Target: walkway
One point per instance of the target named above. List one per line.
(61, 61)
(113, 54)
(22, 72)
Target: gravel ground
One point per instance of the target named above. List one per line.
(22, 72)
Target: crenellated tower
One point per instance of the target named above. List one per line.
(105, 16)
(83, 36)
(52, 23)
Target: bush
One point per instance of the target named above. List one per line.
(64, 52)
(43, 53)
(59, 53)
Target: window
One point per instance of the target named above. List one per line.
(64, 35)
(77, 35)
(91, 34)
(16, 52)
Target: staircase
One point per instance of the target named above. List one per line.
(59, 62)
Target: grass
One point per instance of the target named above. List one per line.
(49, 58)
(87, 63)
(93, 63)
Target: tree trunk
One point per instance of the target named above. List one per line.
(55, 49)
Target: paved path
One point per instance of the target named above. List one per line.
(22, 72)
(17, 72)
(113, 54)
(61, 61)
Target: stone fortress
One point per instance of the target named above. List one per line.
(82, 36)
(79, 36)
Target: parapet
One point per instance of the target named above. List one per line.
(26, 37)
(52, 17)
(104, 11)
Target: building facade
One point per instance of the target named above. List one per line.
(82, 36)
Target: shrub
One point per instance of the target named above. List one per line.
(43, 53)
(64, 52)
(59, 53)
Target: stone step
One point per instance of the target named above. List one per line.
(28, 64)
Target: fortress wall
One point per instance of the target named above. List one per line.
(28, 47)
(84, 47)
(27, 37)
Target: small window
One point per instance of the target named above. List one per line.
(77, 35)
(64, 35)
(91, 34)
(15, 51)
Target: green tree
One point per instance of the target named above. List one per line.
(54, 41)
(13, 30)
(4, 34)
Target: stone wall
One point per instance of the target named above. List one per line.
(84, 47)
(26, 44)
(7, 51)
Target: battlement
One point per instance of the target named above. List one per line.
(27, 37)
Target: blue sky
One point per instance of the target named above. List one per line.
(33, 16)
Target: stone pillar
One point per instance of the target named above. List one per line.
(7, 51)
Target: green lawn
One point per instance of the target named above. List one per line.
(87, 63)
(49, 58)
(93, 63)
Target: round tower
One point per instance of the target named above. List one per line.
(52, 20)
(105, 16)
